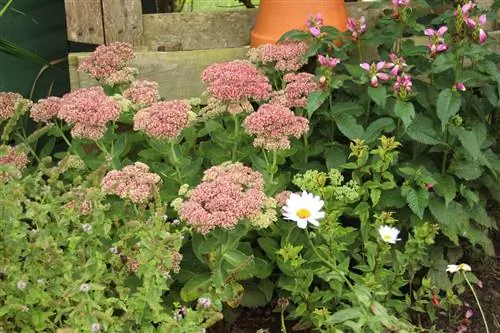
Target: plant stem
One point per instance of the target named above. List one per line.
(175, 162)
(330, 102)
(477, 301)
(59, 127)
(443, 162)
(368, 110)
(236, 137)
(283, 326)
(25, 141)
(360, 52)
(306, 149)
(329, 264)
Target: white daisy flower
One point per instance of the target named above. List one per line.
(389, 234)
(304, 209)
(459, 267)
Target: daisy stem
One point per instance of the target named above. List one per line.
(477, 301)
(329, 264)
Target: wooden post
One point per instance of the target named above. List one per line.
(84, 21)
(122, 21)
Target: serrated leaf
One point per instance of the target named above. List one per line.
(195, 287)
(422, 130)
(445, 187)
(469, 142)
(417, 200)
(448, 104)
(351, 108)
(452, 219)
(349, 126)
(315, 100)
(404, 111)
(375, 196)
(344, 315)
(335, 157)
(468, 170)
(295, 35)
(378, 95)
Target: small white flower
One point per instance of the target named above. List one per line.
(304, 209)
(87, 228)
(114, 250)
(84, 287)
(389, 234)
(21, 284)
(96, 327)
(459, 267)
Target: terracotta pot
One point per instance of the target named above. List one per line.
(276, 17)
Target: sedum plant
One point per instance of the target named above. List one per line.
(333, 185)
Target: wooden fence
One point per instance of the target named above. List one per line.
(173, 48)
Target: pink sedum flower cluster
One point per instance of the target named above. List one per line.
(273, 124)
(164, 120)
(8, 104)
(356, 27)
(143, 93)
(89, 110)
(285, 57)
(133, 182)
(13, 157)
(236, 81)
(228, 194)
(298, 87)
(46, 109)
(108, 63)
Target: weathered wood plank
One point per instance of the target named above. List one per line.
(178, 73)
(84, 21)
(122, 21)
(198, 31)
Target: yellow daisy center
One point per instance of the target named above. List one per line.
(304, 213)
(387, 238)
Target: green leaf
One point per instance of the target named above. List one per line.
(418, 200)
(263, 268)
(443, 62)
(344, 315)
(355, 71)
(351, 108)
(378, 95)
(269, 245)
(422, 130)
(375, 129)
(468, 170)
(335, 157)
(445, 187)
(404, 111)
(375, 196)
(295, 35)
(448, 104)
(469, 142)
(195, 287)
(349, 126)
(315, 100)
(452, 219)
(22, 53)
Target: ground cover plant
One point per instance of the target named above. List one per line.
(339, 190)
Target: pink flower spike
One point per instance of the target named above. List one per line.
(441, 47)
(482, 19)
(482, 36)
(315, 31)
(351, 24)
(442, 30)
(319, 19)
(383, 76)
(466, 8)
(471, 23)
(374, 81)
(460, 86)
(380, 65)
(322, 60)
(365, 66)
(429, 32)
(395, 70)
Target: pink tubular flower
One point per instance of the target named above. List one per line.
(286, 57)
(436, 41)
(8, 104)
(460, 86)
(396, 65)
(228, 194)
(356, 27)
(45, 109)
(143, 93)
(374, 70)
(314, 24)
(327, 61)
(88, 108)
(273, 124)
(298, 87)
(403, 86)
(400, 3)
(236, 81)
(133, 182)
(106, 60)
(164, 120)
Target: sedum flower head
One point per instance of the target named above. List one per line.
(457, 268)
(285, 57)
(13, 157)
(273, 124)
(236, 81)
(303, 209)
(228, 194)
(89, 109)
(143, 93)
(164, 120)
(133, 182)
(46, 109)
(267, 216)
(298, 87)
(8, 104)
(389, 234)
